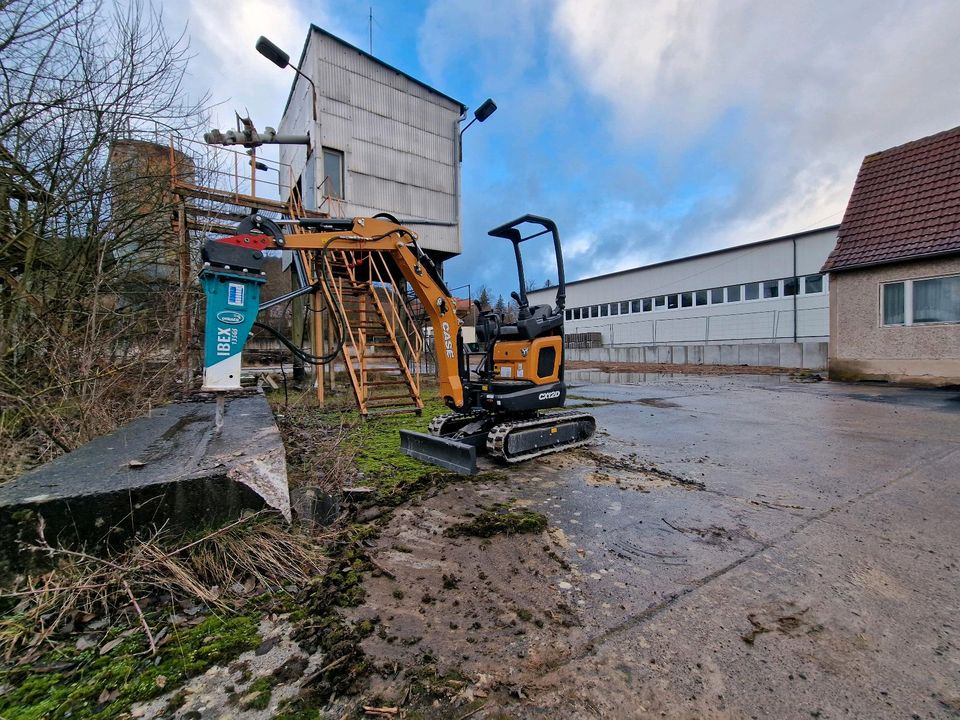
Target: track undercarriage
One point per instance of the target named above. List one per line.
(455, 440)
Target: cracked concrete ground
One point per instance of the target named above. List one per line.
(731, 547)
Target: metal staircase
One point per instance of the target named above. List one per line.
(381, 346)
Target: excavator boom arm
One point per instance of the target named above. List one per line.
(364, 235)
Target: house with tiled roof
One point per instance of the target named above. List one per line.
(895, 270)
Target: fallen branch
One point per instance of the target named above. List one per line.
(143, 620)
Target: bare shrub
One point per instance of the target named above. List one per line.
(89, 294)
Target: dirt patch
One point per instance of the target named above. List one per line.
(785, 619)
(631, 473)
(672, 369)
(466, 619)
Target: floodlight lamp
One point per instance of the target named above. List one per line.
(272, 53)
(488, 108)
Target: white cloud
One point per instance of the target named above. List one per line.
(226, 63)
(814, 86)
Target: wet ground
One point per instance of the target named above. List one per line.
(730, 547)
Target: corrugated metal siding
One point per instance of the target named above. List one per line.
(399, 140)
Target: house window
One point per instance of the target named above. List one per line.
(751, 291)
(624, 308)
(716, 296)
(661, 302)
(569, 314)
(332, 173)
(701, 297)
(673, 301)
(635, 306)
(812, 284)
(936, 300)
(686, 299)
(576, 313)
(894, 309)
(791, 286)
(733, 293)
(614, 308)
(647, 304)
(771, 289)
(595, 312)
(604, 310)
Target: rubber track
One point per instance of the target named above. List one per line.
(437, 423)
(497, 437)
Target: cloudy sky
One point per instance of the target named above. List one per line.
(648, 130)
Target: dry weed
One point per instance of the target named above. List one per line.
(219, 570)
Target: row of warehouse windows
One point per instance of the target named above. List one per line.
(916, 302)
(768, 289)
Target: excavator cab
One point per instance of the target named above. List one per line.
(522, 367)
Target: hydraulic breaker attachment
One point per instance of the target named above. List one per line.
(450, 454)
(231, 279)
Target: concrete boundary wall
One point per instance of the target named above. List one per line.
(808, 355)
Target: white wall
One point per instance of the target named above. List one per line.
(398, 138)
(743, 321)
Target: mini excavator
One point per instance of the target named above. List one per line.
(497, 404)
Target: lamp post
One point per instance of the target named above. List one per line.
(282, 60)
(488, 108)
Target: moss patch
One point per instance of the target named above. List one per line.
(128, 674)
(263, 687)
(500, 521)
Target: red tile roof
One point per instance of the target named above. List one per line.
(905, 204)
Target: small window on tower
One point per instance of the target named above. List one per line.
(332, 174)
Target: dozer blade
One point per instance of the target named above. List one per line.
(450, 454)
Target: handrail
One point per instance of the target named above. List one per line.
(392, 328)
(415, 346)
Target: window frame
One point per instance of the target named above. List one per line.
(823, 284)
(908, 320)
(341, 181)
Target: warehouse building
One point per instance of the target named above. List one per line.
(381, 142)
(762, 303)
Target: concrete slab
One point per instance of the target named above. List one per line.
(769, 354)
(678, 354)
(815, 355)
(729, 354)
(749, 355)
(791, 355)
(695, 354)
(739, 546)
(170, 467)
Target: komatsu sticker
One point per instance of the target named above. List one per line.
(447, 340)
(230, 317)
(548, 395)
(235, 293)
